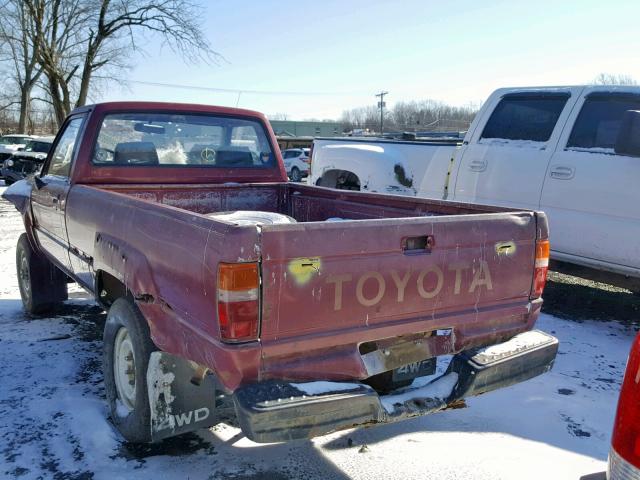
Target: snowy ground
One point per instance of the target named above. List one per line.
(54, 417)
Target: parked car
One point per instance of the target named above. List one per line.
(624, 457)
(9, 144)
(570, 151)
(307, 307)
(296, 162)
(27, 161)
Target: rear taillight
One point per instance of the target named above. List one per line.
(540, 269)
(626, 428)
(238, 301)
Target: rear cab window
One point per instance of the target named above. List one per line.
(524, 118)
(181, 140)
(598, 124)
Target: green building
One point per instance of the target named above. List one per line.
(290, 128)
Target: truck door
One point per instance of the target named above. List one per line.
(49, 200)
(505, 162)
(591, 194)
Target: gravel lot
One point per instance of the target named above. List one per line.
(555, 426)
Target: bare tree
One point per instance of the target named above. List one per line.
(20, 52)
(78, 38)
(613, 79)
(413, 116)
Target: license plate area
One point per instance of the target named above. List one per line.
(403, 356)
(413, 370)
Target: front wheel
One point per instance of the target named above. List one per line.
(127, 348)
(42, 285)
(295, 175)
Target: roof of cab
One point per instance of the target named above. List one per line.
(107, 107)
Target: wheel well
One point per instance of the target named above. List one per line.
(340, 179)
(109, 288)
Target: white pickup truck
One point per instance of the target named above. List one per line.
(573, 152)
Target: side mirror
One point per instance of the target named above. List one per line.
(39, 182)
(628, 141)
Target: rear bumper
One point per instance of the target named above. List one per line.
(276, 411)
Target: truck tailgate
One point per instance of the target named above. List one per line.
(326, 279)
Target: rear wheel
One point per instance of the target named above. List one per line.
(295, 175)
(42, 285)
(8, 181)
(127, 347)
(340, 179)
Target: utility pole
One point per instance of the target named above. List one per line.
(381, 106)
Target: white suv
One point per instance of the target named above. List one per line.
(296, 161)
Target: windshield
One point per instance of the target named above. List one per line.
(38, 147)
(9, 140)
(149, 139)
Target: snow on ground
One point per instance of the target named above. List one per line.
(54, 416)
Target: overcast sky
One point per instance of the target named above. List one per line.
(338, 54)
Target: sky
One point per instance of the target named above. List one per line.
(315, 59)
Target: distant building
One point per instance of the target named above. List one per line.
(290, 128)
(294, 134)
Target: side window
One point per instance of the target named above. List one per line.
(60, 163)
(599, 121)
(525, 117)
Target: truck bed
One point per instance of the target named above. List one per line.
(304, 203)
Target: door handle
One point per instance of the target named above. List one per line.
(560, 172)
(478, 165)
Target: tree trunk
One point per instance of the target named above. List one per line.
(56, 100)
(25, 106)
(84, 86)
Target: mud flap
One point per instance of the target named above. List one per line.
(181, 397)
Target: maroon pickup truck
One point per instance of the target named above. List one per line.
(309, 309)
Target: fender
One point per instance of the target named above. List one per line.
(125, 263)
(380, 167)
(19, 194)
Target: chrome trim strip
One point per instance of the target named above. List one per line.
(619, 469)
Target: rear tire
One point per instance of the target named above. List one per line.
(8, 182)
(295, 175)
(127, 348)
(42, 285)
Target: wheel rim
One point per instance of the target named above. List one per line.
(295, 175)
(124, 368)
(23, 274)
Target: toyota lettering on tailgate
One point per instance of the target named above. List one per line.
(427, 282)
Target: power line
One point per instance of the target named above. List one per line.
(241, 91)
